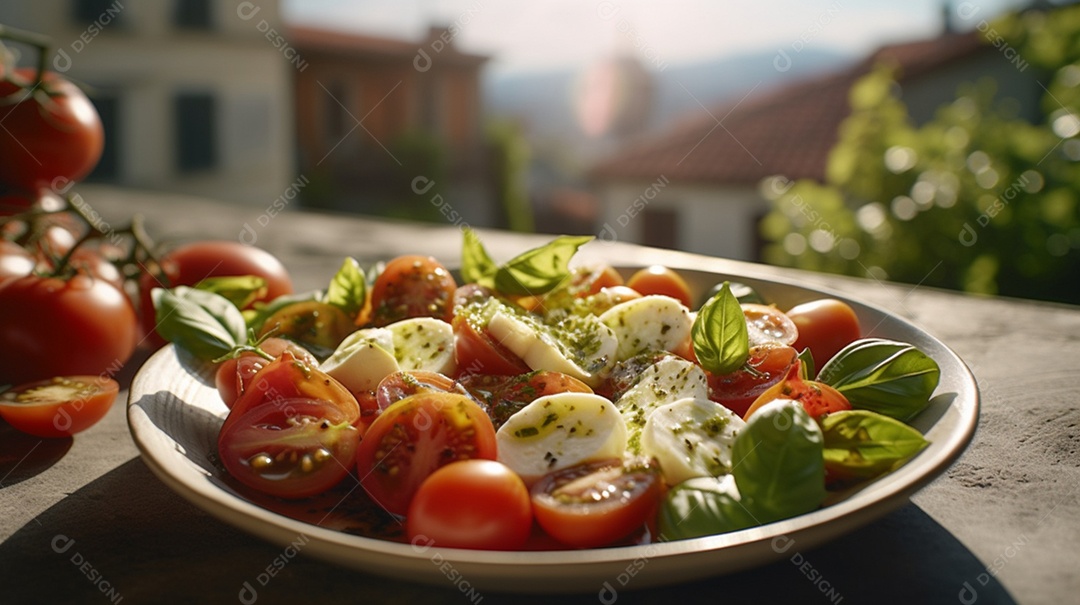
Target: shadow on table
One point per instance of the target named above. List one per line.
(24, 456)
(126, 538)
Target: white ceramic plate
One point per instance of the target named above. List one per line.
(174, 414)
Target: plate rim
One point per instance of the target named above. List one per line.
(501, 570)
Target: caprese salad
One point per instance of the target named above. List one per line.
(535, 402)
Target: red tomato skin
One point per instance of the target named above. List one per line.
(62, 418)
(48, 144)
(738, 391)
(415, 436)
(191, 263)
(234, 375)
(658, 279)
(817, 399)
(475, 352)
(54, 327)
(412, 286)
(288, 378)
(477, 504)
(825, 326)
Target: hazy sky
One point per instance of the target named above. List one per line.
(542, 34)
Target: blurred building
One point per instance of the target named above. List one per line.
(695, 186)
(195, 95)
(394, 127)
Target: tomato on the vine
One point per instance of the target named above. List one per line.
(479, 504)
(596, 503)
(60, 406)
(290, 448)
(416, 436)
(191, 263)
(412, 286)
(51, 131)
(61, 327)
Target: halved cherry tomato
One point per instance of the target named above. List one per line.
(476, 352)
(503, 396)
(596, 503)
(412, 286)
(235, 374)
(768, 324)
(479, 504)
(291, 448)
(58, 407)
(317, 325)
(825, 326)
(416, 436)
(817, 398)
(287, 378)
(658, 279)
(768, 364)
(399, 385)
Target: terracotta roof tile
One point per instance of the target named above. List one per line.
(786, 131)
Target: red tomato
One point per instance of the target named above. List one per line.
(817, 398)
(503, 396)
(658, 279)
(593, 280)
(50, 133)
(738, 390)
(191, 263)
(416, 436)
(15, 261)
(55, 327)
(766, 323)
(287, 378)
(399, 385)
(476, 352)
(596, 503)
(412, 286)
(292, 448)
(479, 504)
(58, 407)
(825, 326)
(235, 374)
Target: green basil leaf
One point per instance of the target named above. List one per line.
(860, 444)
(719, 334)
(476, 266)
(541, 269)
(348, 288)
(891, 378)
(240, 290)
(205, 324)
(256, 317)
(778, 462)
(806, 368)
(703, 506)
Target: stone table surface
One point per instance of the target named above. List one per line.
(1002, 525)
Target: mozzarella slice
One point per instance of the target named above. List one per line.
(691, 437)
(649, 323)
(363, 359)
(424, 343)
(582, 347)
(665, 381)
(558, 431)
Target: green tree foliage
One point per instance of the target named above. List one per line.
(976, 199)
